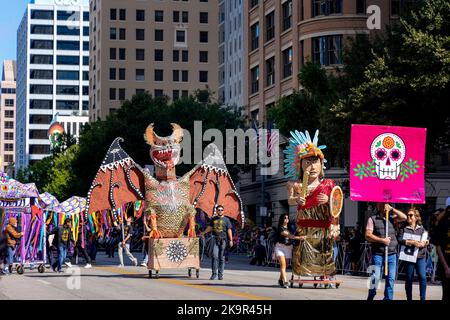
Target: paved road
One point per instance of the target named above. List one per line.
(106, 281)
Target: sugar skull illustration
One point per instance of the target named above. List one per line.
(388, 152)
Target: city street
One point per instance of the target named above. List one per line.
(106, 281)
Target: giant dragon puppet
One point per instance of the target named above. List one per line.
(170, 202)
(319, 203)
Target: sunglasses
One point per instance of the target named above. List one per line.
(219, 209)
(410, 215)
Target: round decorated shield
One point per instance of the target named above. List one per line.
(336, 201)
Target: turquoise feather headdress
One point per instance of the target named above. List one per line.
(301, 146)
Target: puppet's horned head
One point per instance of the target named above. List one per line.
(165, 151)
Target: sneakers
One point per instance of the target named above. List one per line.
(69, 264)
(120, 266)
(143, 264)
(88, 266)
(213, 277)
(220, 277)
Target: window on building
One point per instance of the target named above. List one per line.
(113, 14)
(327, 50)
(68, 45)
(9, 124)
(122, 14)
(112, 93)
(175, 95)
(9, 113)
(41, 74)
(140, 34)
(326, 7)
(184, 75)
(176, 16)
(40, 119)
(203, 17)
(122, 94)
(254, 73)
(41, 59)
(41, 89)
(140, 54)
(159, 93)
(204, 36)
(159, 55)
(254, 36)
(41, 104)
(270, 26)
(185, 16)
(42, 14)
(270, 71)
(122, 74)
(112, 53)
(287, 14)
(185, 55)
(39, 149)
(67, 75)
(400, 6)
(287, 62)
(181, 36)
(361, 6)
(67, 105)
(67, 90)
(10, 146)
(70, 15)
(203, 56)
(140, 75)
(140, 15)
(159, 35)
(122, 53)
(41, 29)
(112, 33)
(122, 34)
(68, 31)
(8, 135)
(41, 44)
(176, 55)
(176, 75)
(159, 75)
(159, 16)
(203, 76)
(9, 102)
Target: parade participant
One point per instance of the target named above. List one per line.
(220, 227)
(375, 234)
(283, 247)
(12, 235)
(315, 220)
(145, 238)
(80, 246)
(125, 244)
(63, 235)
(414, 227)
(441, 239)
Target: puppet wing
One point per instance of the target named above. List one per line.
(118, 181)
(211, 185)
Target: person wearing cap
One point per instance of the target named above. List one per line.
(64, 238)
(12, 235)
(441, 239)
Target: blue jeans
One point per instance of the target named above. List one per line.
(9, 256)
(420, 266)
(378, 268)
(62, 253)
(218, 257)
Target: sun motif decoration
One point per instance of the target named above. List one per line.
(301, 146)
(176, 251)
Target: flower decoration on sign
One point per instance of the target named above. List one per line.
(176, 251)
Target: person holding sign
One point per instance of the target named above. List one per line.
(376, 234)
(414, 240)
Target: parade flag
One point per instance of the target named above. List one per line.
(387, 164)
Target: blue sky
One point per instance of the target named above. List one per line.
(11, 13)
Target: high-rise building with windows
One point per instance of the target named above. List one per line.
(52, 74)
(7, 114)
(168, 48)
(232, 46)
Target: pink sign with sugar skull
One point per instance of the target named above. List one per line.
(387, 164)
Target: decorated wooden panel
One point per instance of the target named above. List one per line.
(170, 253)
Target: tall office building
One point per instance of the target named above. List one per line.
(164, 47)
(7, 114)
(232, 47)
(52, 74)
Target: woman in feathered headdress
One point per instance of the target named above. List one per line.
(305, 160)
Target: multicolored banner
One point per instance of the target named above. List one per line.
(387, 164)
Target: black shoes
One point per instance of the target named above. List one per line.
(283, 284)
(213, 277)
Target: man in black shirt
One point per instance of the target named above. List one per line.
(63, 236)
(220, 227)
(125, 243)
(441, 238)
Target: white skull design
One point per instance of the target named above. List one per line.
(388, 150)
